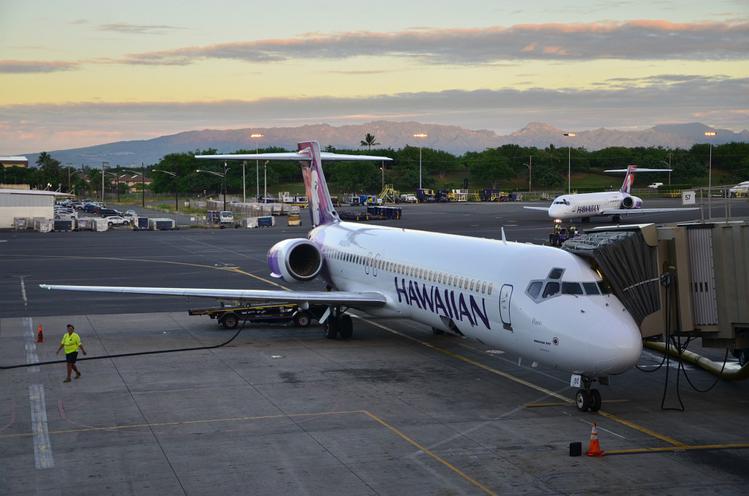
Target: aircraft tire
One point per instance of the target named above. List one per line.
(302, 319)
(596, 400)
(230, 320)
(583, 400)
(331, 329)
(345, 326)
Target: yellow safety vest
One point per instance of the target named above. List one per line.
(71, 342)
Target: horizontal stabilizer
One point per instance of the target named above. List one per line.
(292, 156)
(354, 299)
(638, 170)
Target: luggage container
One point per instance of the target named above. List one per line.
(263, 221)
(42, 225)
(63, 225)
(161, 224)
(141, 224)
(100, 225)
(20, 223)
(86, 224)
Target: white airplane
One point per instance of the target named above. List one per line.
(614, 203)
(539, 302)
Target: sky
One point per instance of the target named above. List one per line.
(84, 72)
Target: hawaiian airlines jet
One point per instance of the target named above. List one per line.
(539, 302)
(614, 203)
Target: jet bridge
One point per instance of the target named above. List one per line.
(689, 279)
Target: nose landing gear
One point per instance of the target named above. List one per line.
(588, 399)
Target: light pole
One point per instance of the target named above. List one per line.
(102, 181)
(176, 189)
(218, 174)
(420, 136)
(244, 182)
(257, 136)
(669, 167)
(382, 169)
(569, 162)
(265, 181)
(530, 173)
(710, 134)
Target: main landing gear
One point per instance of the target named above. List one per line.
(587, 399)
(339, 324)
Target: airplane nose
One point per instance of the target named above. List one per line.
(623, 346)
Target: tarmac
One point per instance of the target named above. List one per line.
(282, 410)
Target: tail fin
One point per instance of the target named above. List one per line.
(318, 197)
(629, 179)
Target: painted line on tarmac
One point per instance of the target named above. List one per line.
(428, 452)
(548, 392)
(42, 447)
(42, 416)
(23, 292)
(674, 449)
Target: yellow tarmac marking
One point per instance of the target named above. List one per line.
(668, 449)
(180, 423)
(254, 276)
(642, 429)
(430, 453)
(508, 376)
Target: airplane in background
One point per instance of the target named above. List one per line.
(542, 303)
(614, 203)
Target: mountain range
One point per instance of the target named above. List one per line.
(453, 139)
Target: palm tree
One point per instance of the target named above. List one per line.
(369, 141)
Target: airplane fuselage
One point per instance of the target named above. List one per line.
(522, 298)
(585, 205)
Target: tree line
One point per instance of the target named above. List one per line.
(504, 167)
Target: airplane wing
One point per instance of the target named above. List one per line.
(356, 299)
(545, 209)
(631, 211)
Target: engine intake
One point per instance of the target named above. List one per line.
(628, 202)
(295, 259)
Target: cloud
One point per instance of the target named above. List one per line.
(719, 101)
(35, 66)
(638, 39)
(127, 28)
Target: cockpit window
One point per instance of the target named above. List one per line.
(591, 288)
(556, 273)
(534, 289)
(604, 287)
(563, 201)
(572, 288)
(551, 289)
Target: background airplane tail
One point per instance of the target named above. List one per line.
(629, 179)
(318, 197)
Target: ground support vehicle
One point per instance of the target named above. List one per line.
(230, 317)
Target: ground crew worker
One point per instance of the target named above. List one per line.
(71, 341)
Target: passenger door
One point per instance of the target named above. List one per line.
(505, 296)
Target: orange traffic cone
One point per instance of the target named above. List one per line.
(39, 334)
(594, 448)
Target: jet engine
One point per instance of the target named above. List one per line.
(631, 202)
(295, 259)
